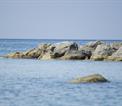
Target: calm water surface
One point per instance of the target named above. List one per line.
(26, 82)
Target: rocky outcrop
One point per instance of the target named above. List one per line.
(96, 50)
(102, 52)
(95, 78)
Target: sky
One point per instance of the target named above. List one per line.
(61, 19)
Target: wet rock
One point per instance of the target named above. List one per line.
(95, 78)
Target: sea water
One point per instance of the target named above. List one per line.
(28, 82)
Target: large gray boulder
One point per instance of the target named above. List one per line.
(117, 56)
(95, 78)
(102, 52)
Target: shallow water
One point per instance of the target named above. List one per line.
(46, 83)
(26, 82)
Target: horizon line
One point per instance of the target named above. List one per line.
(55, 39)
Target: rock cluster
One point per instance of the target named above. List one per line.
(96, 50)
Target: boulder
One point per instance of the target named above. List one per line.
(59, 49)
(67, 44)
(58, 53)
(116, 45)
(37, 52)
(95, 78)
(117, 56)
(102, 52)
(44, 46)
(33, 53)
(94, 44)
(87, 50)
(74, 55)
(47, 56)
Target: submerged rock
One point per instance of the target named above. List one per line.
(95, 78)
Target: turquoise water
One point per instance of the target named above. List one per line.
(26, 82)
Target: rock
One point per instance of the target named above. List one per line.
(87, 50)
(66, 44)
(117, 56)
(74, 55)
(59, 49)
(46, 56)
(33, 53)
(94, 44)
(116, 45)
(38, 52)
(58, 53)
(102, 52)
(44, 46)
(95, 78)
(15, 55)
